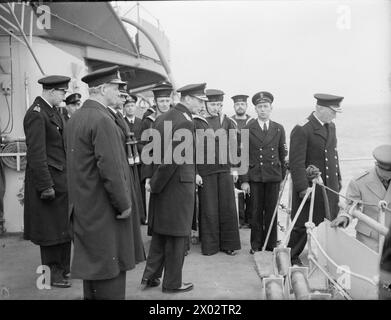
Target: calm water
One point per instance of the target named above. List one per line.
(359, 130)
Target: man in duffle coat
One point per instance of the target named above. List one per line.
(106, 229)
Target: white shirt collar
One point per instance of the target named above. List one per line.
(321, 122)
(131, 119)
(262, 122)
(115, 111)
(47, 102)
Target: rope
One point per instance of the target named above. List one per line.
(336, 265)
(355, 200)
(11, 161)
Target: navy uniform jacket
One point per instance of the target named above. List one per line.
(134, 127)
(172, 185)
(45, 221)
(310, 144)
(266, 153)
(100, 188)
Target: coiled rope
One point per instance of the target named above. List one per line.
(16, 148)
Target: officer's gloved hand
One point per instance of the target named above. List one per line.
(245, 187)
(312, 172)
(199, 181)
(339, 222)
(48, 194)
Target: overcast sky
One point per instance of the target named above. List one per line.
(290, 48)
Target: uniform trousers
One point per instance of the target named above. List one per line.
(58, 258)
(107, 289)
(166, 253)
(219, 227)
(263, 197)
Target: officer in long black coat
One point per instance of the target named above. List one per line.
(162, 94)
(172, 188)
(106, 227)
(218, 219)
(314, 142)
(46, 197)
(241, 118)
(267, 168)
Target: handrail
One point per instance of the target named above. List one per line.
(378, 227)
(155, 46)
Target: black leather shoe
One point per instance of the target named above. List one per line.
(185, 287)
(62, 283)
(230, 252)
(151, 282)
(252, 251)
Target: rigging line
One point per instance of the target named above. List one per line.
(127, 12)
(362, 277)
(147, 11)
(12, 35)
(359, 201)
(90, 32)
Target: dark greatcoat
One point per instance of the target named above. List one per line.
(172, 185)
(45, 221)
(100, 188)
(310, 144)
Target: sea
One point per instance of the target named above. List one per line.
(360, 129)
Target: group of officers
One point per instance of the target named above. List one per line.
(85, 181)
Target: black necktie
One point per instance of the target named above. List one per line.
(326, 125)
(264, 128)
(386, 182)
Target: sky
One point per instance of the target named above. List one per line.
(292, 49)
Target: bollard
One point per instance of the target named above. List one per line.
(273, 288)
(298, 279)
(282, 261)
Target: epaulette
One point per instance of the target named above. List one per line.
(187, 116)
(303, 122)
(361, 175)
(37, 109)
(196, 116)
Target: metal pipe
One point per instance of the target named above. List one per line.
(283, 260)
(156, 47)
(274, 288)
(25, 40)
(300, 285)
(381, 229)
